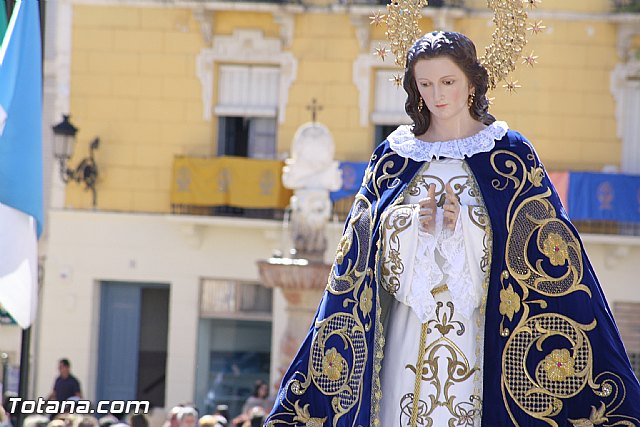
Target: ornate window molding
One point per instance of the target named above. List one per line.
(625, 86)
(363, 70)
(388, 100)
(245, 47)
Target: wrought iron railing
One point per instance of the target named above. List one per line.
(432, 3)
(626, 6)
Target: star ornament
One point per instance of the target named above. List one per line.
(512, 86)
(530, 60)
(396, 79)
(377, 18)
(536, 27)
(532, 4)
(381, 51)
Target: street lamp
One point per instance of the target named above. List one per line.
(64, 142)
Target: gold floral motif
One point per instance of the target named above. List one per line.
(394, 258)
(540, 392)
(509, 302)
(332, 364)
(458, 370)
(349, 273)
(559, 365)
(555, 248)
(535, 175)
(366, 300)
(595, 419)
(343, 247)
(394, 221)
(303, 415)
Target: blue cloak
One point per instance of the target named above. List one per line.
(552, 352)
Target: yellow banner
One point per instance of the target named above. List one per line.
(229, 181)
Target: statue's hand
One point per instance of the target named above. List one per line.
(428, 211)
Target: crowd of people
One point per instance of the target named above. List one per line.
(253, 414)
(178, 416)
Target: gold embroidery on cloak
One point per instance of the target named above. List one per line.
(344, 332)
(533, 222)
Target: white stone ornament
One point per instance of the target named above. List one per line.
(312, 173)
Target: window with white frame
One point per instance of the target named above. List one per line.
(389, 100)
(247, 110)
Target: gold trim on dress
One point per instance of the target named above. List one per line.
(439, 289)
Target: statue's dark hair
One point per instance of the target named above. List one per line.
(461, 50)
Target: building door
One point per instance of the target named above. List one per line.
(132, 347)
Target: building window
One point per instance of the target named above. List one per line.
(225, 298)
(388, 112)
(247, 109)
(627, 316)
(241, 136)
(234, 343)
(381, 133)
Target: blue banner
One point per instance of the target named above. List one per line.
(352, 173)
(604, 197)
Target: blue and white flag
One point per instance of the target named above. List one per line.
(21, 204)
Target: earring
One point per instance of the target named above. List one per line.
(472, 98)
(420, 105)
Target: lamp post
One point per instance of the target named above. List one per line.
(86, 171)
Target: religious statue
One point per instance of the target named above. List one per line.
(311, 173)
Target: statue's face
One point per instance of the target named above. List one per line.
(443, 86)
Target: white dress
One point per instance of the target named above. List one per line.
(433, 311)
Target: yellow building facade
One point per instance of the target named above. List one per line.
(163, 81)
(134, 81)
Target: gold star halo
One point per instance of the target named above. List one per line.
(501, 56)
(532, 4)
(396, 79)
(381, 51)
(402, 26)
(508, 39)
(536, 27)
(530, 60)
(377, 18)
(511, 86)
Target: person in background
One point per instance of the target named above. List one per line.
(212, 421)
(172, 417)
(187, 417)
(260, 397)
(138, 420)
(4, 418)
(66, 385)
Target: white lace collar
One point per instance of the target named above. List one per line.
(405, 143)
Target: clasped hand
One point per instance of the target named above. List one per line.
(428, 207)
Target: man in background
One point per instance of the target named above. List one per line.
(66, 385)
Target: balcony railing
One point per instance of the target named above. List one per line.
(252, 188)
(626, 6)
(432, 3)
(228, 186)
